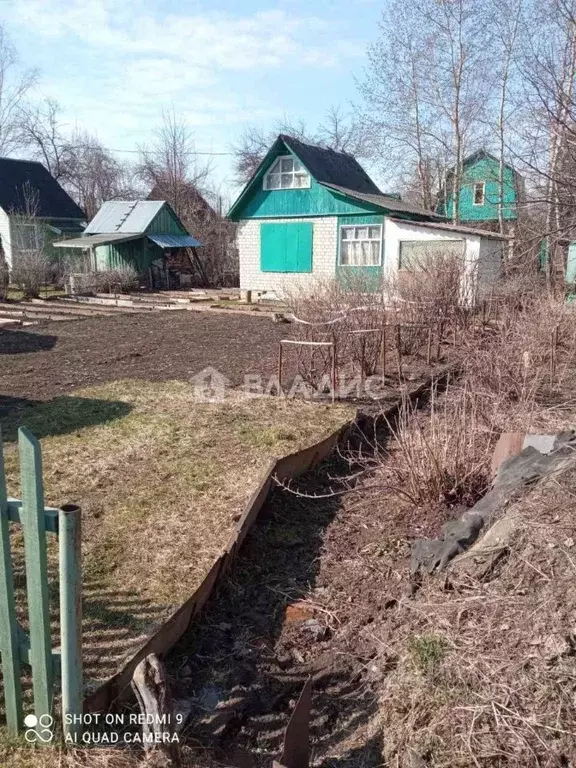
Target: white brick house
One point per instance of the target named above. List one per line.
(310, 213)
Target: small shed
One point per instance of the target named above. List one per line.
(145, 235)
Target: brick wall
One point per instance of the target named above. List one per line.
(324, 248)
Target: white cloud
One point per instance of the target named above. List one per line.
(119, 63)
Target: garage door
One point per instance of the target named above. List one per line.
(414, 253)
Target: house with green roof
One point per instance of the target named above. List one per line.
(479, 194)
(310, 213)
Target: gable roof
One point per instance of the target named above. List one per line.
(480, 154)
(124, 217)
(330, 167)
(19, 178)
(190, 200)
(326, 166)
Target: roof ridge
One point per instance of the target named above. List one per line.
(23, 160)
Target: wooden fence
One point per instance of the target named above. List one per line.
(35, 649)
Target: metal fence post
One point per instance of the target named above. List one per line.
(70, 557)
(8, 625)
(36, 571)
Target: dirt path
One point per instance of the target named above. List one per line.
(315, 579)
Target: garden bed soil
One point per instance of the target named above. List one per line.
(41, 362)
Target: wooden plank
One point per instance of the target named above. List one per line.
(9, 636)
(14, 511)
(36, 570)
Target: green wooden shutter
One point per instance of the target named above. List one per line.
(286, 247)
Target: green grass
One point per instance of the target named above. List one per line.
(160, 478)
(428, 651)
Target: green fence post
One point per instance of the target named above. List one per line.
(70, 548)
(36, 570)
(8, 625)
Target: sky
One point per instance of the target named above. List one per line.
(224, 65)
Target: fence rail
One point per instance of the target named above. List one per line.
(35, 649)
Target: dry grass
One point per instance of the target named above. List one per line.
(482, 666)
(161, 479)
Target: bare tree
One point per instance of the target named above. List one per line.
(43, 135)
(545, 135)
(398, 109)
(171, 163)
(426, 89)
(94, 175)
(15, 83)
(171, 169)
(30, 263)
(340, 130)
(504, 19)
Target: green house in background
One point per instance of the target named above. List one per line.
(143, 235)
(478, 201)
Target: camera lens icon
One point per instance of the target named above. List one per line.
(39, 729)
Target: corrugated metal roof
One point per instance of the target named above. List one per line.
(89, 240)
(124, 216)
(174, 241)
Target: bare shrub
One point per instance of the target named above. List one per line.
(350, 314)
(116, 280)
(522, 361)
(430, 292)
(439, 457)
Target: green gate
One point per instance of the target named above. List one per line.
(35, 648)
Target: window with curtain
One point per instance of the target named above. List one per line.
(361, 246)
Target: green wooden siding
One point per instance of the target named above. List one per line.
(286, 247)
(315, 201)
(484, 170)
(257, 202)
(138, 254)
(165, 223)
(354, 277)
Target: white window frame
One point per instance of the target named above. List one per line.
(368, 239)
(294, 172)
(479, 184)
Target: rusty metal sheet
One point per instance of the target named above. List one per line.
(296, 753)
(509, 444)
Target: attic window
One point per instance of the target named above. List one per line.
(479, 189)
(287, 173)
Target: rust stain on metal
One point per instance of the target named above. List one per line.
(509, 444)
(296, 753)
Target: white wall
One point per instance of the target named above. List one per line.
(324, 248)
(396, 231)
(5, 235)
